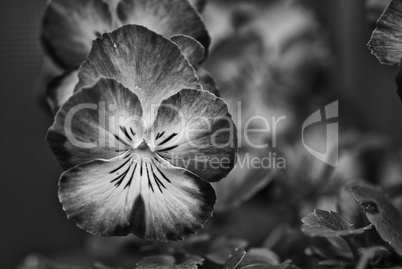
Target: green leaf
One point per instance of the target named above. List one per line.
(234, 259)
(323, 223)
(170, 262)
(381, 212)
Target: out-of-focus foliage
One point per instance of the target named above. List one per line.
(374, 9)
(380, 212)
(329, 224)
(273, 58)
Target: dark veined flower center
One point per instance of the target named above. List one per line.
(142, 161)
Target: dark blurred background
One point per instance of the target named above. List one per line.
(33, 220)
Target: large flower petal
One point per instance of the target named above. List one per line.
(145, 196)
(60, 89)
(143, 61)
(191, 49)
(195, 53)
(194, 130)
(198, 4)
(386, 41)
(70, 26)
(207, 81)
(166, 17)
(98, 122)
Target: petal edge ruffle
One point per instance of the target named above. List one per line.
(165, 17)
(145, 62)
(91, 197)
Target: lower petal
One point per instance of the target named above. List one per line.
(144, 196)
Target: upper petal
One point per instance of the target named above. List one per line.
(207, 81)
(98, 122)
(191, 49)
(194, 130)
(60, 89)
(198, 4)
(141, 194)
(143, 61)
(68, 28)
(166, 17)
(386, 40)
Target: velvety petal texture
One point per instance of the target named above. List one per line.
(143, 61)
(144, 196)
(191, 49)
(60, 89)
(386, 41)
(117, 184)
(140, 140)
(69, 27)
(194, 130)
(95, 124)
(198, 4)
(165, 17)
(207, 81)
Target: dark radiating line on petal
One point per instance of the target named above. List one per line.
(149, 181)
(120, 178)
(160, 172)
(118, 138)
(117, 169)
(120, 150)
(159, 135)
(169, 148)
(158, 182)
(124, 130)
(131, 178)
(167, 139)
(132, 132)
(156, 160)
(141, 168)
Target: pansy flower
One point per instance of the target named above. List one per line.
(69, 28)
(140, 141)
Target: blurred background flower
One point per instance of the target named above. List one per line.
(275, 57)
